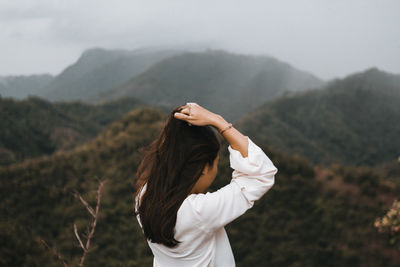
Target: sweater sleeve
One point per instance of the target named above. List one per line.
(252, 177)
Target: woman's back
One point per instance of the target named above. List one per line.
(201, 217)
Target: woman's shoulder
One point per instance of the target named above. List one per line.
(189, 202)
(200, 205)
(193, 203)
(187, 217)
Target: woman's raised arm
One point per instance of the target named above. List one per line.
(195, 114)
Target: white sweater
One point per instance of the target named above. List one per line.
(201, 218)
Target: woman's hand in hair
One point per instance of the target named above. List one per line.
(195, 114)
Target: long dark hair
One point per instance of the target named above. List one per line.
(171, 166)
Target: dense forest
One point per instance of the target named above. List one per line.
(313, 216)
(350, 121)
(35, 127)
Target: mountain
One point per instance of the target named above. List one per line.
(311, 217)
(35, 127)
(98, 70)
(231, 84)
(20, 86)
(351, 121)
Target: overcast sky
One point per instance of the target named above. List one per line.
(325, 37)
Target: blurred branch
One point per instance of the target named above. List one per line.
(77, 236)
(91, 211)
(55, 252)
(95, 215)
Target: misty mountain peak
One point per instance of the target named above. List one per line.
(98, 55)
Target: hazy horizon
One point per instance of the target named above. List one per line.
(327, 39)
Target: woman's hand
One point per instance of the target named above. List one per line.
(195, 114)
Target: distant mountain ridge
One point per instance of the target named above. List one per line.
(20, 86)
(230, 84)
(100, 69)
(372, 79)
(349, 121)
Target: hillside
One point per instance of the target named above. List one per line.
(350, 121)
(311, 217)
(34, 127)
(98, 70)
(20, 86)
(231, 84)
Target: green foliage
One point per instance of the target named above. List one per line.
(353, 121)
(299, 222)
(21, 248)
(35, 127)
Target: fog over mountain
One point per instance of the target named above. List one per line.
(227, 83)
(20, 86)
(328, 38)
(98, 70)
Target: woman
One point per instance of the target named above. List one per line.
(182, 222)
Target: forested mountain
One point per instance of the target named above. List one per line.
(20, 86)
(34, 127)
(351, 121)
(311, 217)
(231, 84)
(99, 69)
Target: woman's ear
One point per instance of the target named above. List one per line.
(205, 169)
